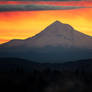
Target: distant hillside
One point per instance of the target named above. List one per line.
(16, 64)
(21, 65)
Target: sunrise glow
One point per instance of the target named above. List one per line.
(24, 24)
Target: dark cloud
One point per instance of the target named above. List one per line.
(35, 7)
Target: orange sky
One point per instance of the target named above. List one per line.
(21, 25)
(24, 24)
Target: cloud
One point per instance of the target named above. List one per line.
(34, 7)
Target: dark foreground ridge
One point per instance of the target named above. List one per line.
(66, 77)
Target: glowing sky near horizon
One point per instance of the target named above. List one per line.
(24, 24)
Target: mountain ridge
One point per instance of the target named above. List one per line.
(57, 42)
(60, 30)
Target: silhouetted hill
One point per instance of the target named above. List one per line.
(16, 65)
(22, 75)
(21, 65)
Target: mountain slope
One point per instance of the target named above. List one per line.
(55, 43)
(59, 34)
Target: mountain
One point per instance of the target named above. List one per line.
(59, 34)
(58, 42)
